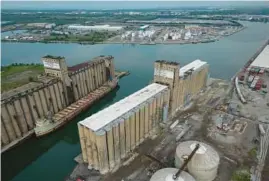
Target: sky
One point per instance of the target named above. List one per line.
(94, 5)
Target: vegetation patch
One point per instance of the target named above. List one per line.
(253, 152)
(241, 175)
(90, 37)
(18, 74)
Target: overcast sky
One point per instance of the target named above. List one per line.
(39, 5)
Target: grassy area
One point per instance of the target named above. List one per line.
(241, 175)
(253, 152)
(16, 75)
(91, 37)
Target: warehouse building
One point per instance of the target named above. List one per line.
(144, 27)
(95, 28)
(262, 60)
(108, 136)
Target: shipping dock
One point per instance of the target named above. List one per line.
(46, 126)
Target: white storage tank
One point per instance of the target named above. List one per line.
(166, 174)
(204, 164)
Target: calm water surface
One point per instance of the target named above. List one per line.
(51, 158)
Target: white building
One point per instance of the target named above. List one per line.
(262, 60)
(187, 35)
(49, 26)
(42, 25)
(95, 28)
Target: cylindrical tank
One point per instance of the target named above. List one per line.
(204, 164)
(166, 174)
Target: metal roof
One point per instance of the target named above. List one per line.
(113, 113)
(262, 60)
(196, 64)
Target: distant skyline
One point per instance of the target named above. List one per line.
(98, 5)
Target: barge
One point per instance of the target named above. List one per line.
(46, 126)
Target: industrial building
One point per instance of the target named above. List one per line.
(184, 83)
(42, 25)
(60, 87)
(143, 27)
(95, 28)
(166, 174)
(204, 164)
(108, 136)
(262, 60)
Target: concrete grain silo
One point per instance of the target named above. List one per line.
(110, 135)
(204, 164)
(166, 174)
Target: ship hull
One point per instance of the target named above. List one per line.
(77, 107)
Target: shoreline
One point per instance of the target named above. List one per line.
(178, 42)
(105, 42)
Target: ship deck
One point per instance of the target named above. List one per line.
(73, 110)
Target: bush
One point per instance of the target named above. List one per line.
(31, 79)
(241, 176)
